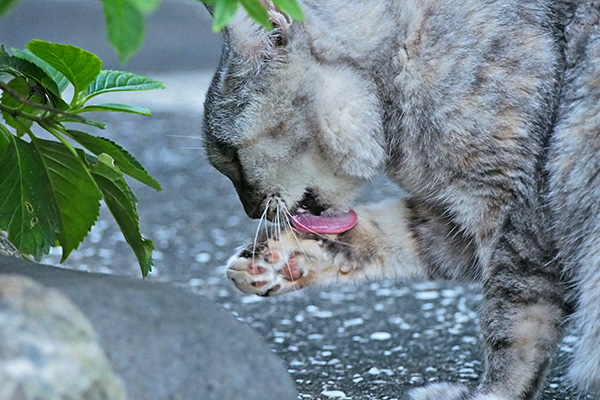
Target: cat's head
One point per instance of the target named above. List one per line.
(283, 123)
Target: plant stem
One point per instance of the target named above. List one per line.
(16, 113)
(17, 96)
(60, 137)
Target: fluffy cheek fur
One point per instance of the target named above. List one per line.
(349, 122)
(332, 150)
(274, 169)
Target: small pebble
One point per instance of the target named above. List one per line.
(334, 394)
(427, 295)
(381, 336)
(202, 257)
(353, 322)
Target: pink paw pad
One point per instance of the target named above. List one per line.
(254, 269)
(290, 271)
(271, 256)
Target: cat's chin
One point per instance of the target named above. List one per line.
(325, 223)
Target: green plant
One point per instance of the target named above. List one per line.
(125, 18)
(50, 191)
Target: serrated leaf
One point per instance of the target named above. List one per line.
(291, 8)
(61, 81)
(119, 201)
(20, 124)
(115, 81)
(30, 220)
(116, 107)
(224, 12)
(31, 71)
(258, 12)
(73, 191)
(123, 159)
(80, 67)
(126, 27)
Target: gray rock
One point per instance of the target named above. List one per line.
(166, 343)
(48, 348)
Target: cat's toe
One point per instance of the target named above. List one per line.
(248, 276)
(267, 271)
(292, 271)
(439, 391)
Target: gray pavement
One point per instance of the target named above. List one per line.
(367, 342)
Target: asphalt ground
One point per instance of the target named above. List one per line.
(373, 341)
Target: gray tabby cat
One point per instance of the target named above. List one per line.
(487, 112)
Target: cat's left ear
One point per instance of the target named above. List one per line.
(255, 43)
(281, 22)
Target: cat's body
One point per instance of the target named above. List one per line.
(484, 111)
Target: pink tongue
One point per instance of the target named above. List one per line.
(325, 224)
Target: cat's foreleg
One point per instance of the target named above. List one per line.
(523, 310)
(521, 317)
(394, 239)
(521, 325)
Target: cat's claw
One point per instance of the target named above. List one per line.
(272, 269)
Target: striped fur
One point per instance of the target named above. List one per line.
(486, 112)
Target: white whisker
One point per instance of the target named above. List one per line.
(291, 228)
(279, 224)
(260, 221)
(185, 137)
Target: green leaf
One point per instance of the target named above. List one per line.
(5, 5)
(80, 67)
(258, 12)
(4, 139)
(116, 107)
(126, 27)
(61, 81)
(25, 212)
(29, 70)
(119, 201)
(291, 8)
(73, 191)
(20, 124)
(224, 12)
(145, 6)
(86, 121)
(114, 81)
(123, 159)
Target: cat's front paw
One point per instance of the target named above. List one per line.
(274, 266)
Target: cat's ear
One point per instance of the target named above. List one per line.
(281, 22)
(254, 42)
